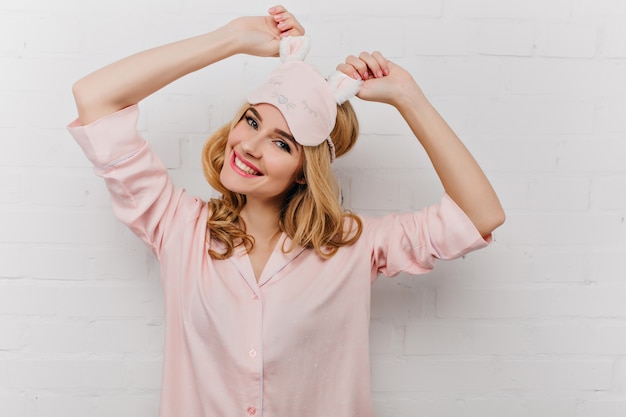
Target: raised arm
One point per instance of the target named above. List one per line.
(461, 176)
(131, 79)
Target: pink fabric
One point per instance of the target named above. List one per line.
(303, 97)
(295, 343)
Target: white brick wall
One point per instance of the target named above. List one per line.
(535, 325)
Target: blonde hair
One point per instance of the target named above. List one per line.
(311, 216)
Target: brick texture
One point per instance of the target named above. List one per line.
(532, 326)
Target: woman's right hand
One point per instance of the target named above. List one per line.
(261, 35)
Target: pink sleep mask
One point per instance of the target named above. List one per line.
(307, 100)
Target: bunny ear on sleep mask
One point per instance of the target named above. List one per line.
(306, 99)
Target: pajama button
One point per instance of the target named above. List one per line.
(251, 411)
(252, 354)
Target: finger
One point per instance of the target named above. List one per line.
(291, 32)
(383, 62)
(360, 67)
(287, 22)
(277, 9)
(349, 70)
(372, 64)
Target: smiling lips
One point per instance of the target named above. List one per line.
(244, 166)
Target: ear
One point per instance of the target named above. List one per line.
(343, 87)
(294, 48)
(301, 180)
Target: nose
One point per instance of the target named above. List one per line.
(252, 145)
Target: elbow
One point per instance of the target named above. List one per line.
(78, 91)
(91, 104)
(83, 95)
(492, 221)
(498, 218)
(80, 97)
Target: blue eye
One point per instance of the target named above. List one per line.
(282, 145)
(252, 122)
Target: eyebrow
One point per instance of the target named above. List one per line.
(279, 131)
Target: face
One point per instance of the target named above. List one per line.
(262, 159)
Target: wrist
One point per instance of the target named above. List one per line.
(226, 40)
(410, 97)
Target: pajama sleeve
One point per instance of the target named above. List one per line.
(412, 242)
(143, 195)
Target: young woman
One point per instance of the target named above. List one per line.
(267, 288)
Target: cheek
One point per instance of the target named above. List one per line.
(296, 172)
(226, 154)
(232, 138)
(236, 133)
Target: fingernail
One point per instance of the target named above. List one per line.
(379, 74)
(386, 71)
(356, 75)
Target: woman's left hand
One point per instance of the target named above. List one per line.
(383, 80)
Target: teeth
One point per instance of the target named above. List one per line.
(245, 168)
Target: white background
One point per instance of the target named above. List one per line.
(533, 326)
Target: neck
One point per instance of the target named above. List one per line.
(261, 220)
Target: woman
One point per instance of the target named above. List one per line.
(267, 288)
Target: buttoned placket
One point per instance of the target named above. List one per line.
(257, 354)
(254, 407)
(277, 261)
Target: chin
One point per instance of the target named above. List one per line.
(227, 182)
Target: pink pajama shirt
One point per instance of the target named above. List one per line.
(295, 343)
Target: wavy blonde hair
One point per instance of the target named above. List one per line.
(311, 214)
